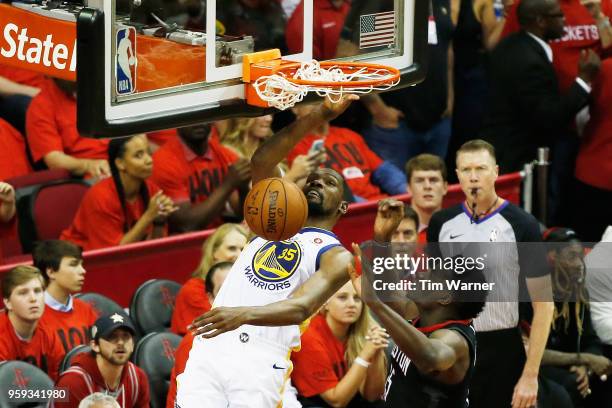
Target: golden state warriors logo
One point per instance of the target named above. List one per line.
(276, 261)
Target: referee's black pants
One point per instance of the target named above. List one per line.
(500, 359)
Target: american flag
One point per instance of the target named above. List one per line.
(376, 30)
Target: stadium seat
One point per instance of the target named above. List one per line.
(67, 360)
(49, 210)
(24, 376)
(39, 177)
(101, 304)
(152, 305)
(154, 353)
(24, 185)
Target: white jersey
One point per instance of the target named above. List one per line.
(268, 272)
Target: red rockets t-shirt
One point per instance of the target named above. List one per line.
(184, 176)
(580, 33)
(42, 350)
(348, 154)
(70, 328)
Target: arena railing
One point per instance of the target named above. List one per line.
(116, 272)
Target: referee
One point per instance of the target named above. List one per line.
(505, 376)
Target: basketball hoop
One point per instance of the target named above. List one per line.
(282, 84)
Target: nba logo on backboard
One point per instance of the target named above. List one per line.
(125, 64)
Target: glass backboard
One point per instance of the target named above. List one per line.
(145, 65)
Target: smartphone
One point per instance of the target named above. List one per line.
(317, 146)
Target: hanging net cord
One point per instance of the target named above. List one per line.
(283, 92)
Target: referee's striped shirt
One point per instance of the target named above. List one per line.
(507, 224)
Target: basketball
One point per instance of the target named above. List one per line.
(275, 209)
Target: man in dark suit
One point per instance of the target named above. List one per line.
(526, 109)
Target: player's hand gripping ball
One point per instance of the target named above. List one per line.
(275, 209)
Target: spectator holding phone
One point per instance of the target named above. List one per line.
(366, 174)
(245, 135)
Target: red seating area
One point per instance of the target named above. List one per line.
(117, 272)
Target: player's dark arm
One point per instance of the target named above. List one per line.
(278, 146)
(195, 217)
(430, 355)
(302, 304)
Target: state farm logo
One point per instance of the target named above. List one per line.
(17, 44)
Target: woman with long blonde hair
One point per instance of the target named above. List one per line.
(245, 135)
(342, 359)
(224, 245)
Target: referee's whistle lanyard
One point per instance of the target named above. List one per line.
(476, 216)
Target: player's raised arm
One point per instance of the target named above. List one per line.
(278, 146)
(302, 304)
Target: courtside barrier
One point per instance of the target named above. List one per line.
(116, 272)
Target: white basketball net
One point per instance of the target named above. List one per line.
(282, 94)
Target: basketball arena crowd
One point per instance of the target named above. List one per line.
(503, 79)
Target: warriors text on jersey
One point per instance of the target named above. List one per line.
(268, 272)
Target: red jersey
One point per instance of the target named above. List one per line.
(580, 33)
(191, 302)
(51, 125)
(84, 378)
(594, 162)
(23, 76)
(160, 137)
(320, 363)
(180, 361)
(42, 350)
(348, 154)
(184, 176)
(13, 158)
(99, 221)
(328, 21)
(72, 327)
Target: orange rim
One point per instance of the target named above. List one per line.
(394, 74)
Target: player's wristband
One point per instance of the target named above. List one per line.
(360, 361)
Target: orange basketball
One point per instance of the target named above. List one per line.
(275, 209)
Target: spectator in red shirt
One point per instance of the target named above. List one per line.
(592, 196)
(328, 20)
(125, 208)
(23, 338)
(224, 245)
(200, 175)
(108, 368)
(61, 263)
(17, 88)
(214, 280)
(13, 156)
(428, 183)
(53, 136)
(342, 354)
(368, 177)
